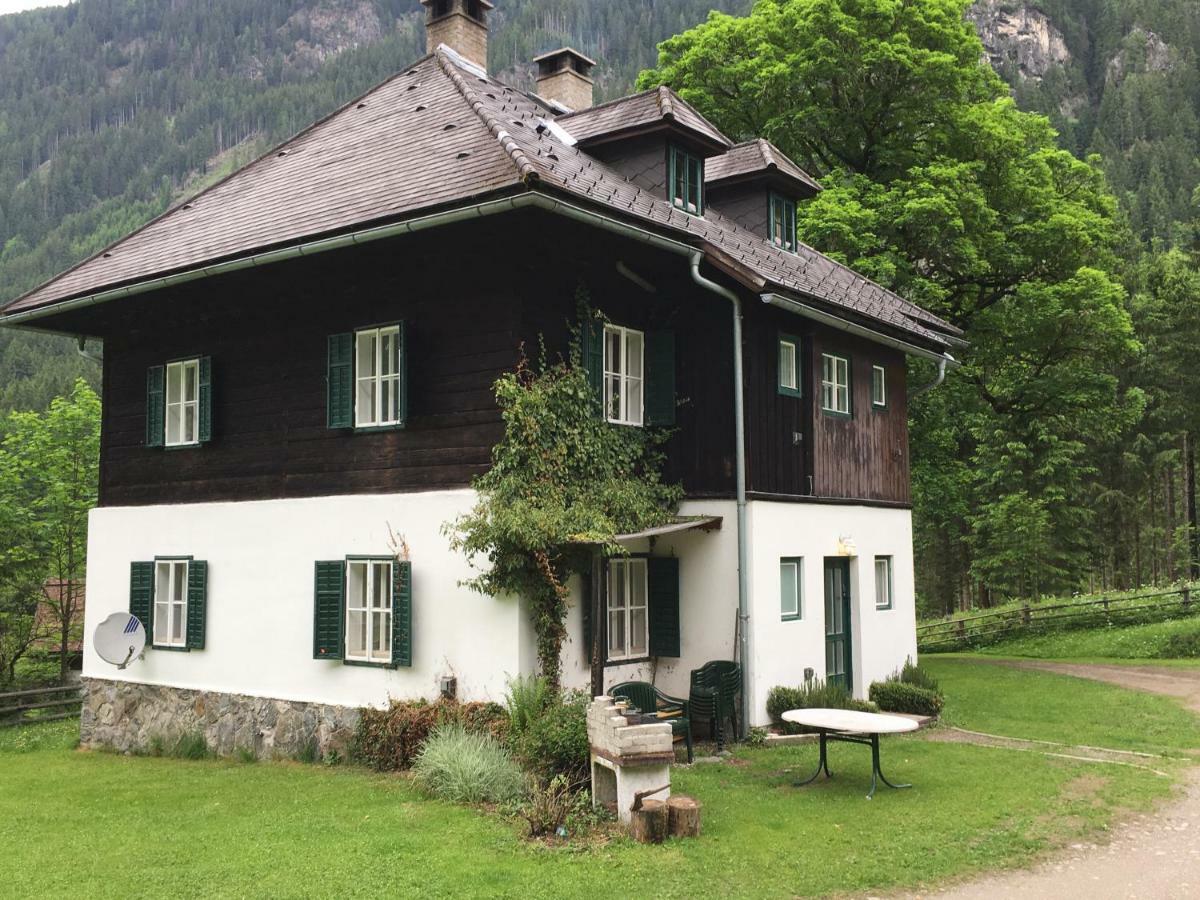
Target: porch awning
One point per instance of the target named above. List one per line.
(681, 523)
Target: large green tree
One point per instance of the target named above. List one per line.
(939, 187)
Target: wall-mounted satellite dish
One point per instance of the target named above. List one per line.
(119, 639)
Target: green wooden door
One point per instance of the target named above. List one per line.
(839, 654)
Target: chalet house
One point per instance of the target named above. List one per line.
(298, 367)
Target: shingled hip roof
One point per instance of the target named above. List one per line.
(758, 156)
(467, 138)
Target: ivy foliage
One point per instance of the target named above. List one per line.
(563, 481)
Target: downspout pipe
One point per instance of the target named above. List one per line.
(97, 358)
(938, 379)
(739, 427)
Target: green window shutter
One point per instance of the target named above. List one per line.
(662, 590)
(403, 368)
(329, 609)
(340, 381)
(197, 603)
(141, 596)
(591, 345)
(155, 405)
(402, 613)
(660, 378)
(204, 430)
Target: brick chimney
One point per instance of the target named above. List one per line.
(459, 24)
(565, 77)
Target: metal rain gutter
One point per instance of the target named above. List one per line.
(808, 312)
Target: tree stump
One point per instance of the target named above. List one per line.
(649, 823)
(683, 817)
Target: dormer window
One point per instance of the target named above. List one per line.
(783, 222)
(685, 180)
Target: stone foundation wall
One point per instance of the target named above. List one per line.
(127, 716)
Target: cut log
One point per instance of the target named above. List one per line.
(648, 824)
(683, 817)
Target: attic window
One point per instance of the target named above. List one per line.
(686, 181)
(783, 222)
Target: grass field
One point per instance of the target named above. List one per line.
(1135, 642)
(141, 827)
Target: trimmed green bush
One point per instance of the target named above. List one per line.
(555, 741)
(465, 767)
(912, 673)
(815, 694)
(390, 739)
(1184, 645)
(896, 696)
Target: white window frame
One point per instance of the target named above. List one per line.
(171, 611)
(626, 413)
(835, 384)
(374, 415)
(369, 610)
(789, 371)
(186, 408)
(879, 401)
(884, 585)
(622, 575)
(796, 564)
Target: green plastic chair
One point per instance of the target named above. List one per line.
(715, 687)
(648, 698)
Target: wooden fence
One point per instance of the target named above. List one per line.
(40, 705)
(990, 628)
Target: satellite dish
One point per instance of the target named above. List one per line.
(119, 639)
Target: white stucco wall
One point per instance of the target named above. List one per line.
(260, 597)
(883, 639)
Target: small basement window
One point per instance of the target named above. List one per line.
(791, 588)
(883, 582)
(878, 387)
(783, 222)
(369, 610)
(624, 368)
(686, 181)
(628, 614)
(789, 366)
(183, 403)
(170, 602)
(377, 394)
(835, 384)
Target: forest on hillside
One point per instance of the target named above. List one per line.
(1032, 474)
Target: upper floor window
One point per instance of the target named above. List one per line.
(179, 403)
(377, 376)
(624, 368)
(835, 384)
(883, 582)
(783, 222)
(628, 614)
(183, 402)
(878, 387)
(791, 588)
(685, 178)
(789, 366)
(369, 610)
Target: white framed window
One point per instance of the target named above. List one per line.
(835, 384)
(170, 602)
(369, 610)
(377, 377)
(628, 614)
(878, 387)
(624, 375)
(789, 366)
(791, 588)
(883, 582)
(183, 403)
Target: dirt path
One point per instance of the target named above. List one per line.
(1155, 856)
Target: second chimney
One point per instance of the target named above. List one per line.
(565, 77)
(459, 24)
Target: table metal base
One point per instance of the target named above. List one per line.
(871, 741)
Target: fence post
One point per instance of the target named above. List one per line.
(962, 629)
(1026, 615)
(1187, 599)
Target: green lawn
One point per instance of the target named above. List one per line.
(1133, 642)
(135, 826)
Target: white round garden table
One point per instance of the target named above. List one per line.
(850, 727)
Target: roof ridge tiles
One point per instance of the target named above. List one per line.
(525, 167)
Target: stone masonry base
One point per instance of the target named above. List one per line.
(127, 716)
